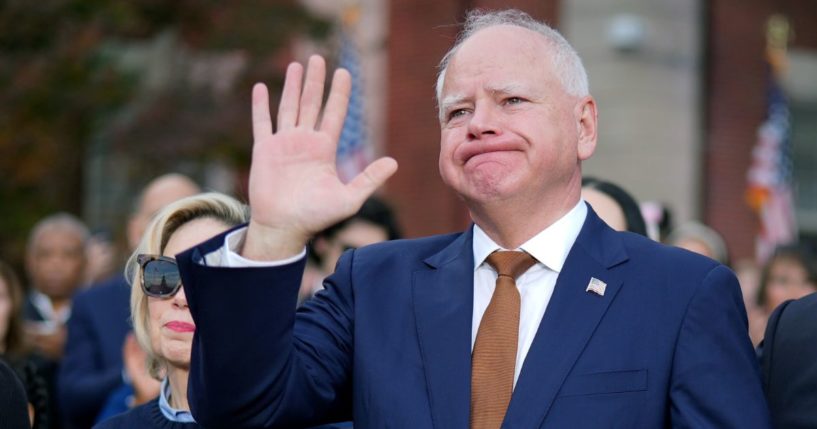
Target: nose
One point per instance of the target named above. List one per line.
(483, 121)
(180, 299)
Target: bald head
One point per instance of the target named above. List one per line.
(160, 192)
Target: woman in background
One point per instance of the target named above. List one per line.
(32, 370)
(615, 206)
(791, 273)
(161, 319)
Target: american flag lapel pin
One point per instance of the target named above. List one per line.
(596, 286)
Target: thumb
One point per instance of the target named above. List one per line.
(365, 183)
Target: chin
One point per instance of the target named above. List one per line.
(488, 188)
(178, 360)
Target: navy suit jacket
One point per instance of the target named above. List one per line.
(388, 342)
(91, 367)
(789, 362)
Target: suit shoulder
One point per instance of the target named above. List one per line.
(644, 250)
(804, 305)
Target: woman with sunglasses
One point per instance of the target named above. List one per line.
(161, 319)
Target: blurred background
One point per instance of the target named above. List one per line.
(708, 109)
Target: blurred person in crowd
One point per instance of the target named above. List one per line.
(701, 239)
(788, 357)
(790, 273)
(613, 329)
(373, 223)
(748, 274)
(100, 257)
(658, 218)
(13, 405)
(55, 260)
(161, 318)
(103, 372)
(615, 206)
(31, 368)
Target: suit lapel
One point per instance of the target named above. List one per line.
(443, 304)
(569, 321)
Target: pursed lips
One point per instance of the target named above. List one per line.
(179, 326)
(471, 150)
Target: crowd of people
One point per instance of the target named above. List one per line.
(609, 327)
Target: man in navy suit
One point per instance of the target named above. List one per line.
(613, 329)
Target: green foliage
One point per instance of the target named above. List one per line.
(63, 86)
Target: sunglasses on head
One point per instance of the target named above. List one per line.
(160, 275)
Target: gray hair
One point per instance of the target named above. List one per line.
(697, 231)
(566, 61)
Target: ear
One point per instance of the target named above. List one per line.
(587, 124)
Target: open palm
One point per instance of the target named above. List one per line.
(294, 187)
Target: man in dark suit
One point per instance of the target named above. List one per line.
(93, 369)
(789, 363)
(539, 315)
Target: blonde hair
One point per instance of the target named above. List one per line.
(212, 205)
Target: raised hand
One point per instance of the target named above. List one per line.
(134, 359)
(294, 186)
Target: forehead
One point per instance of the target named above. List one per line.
(502, 52)
(57, 234)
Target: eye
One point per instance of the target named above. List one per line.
(455, 113)
(514, 100)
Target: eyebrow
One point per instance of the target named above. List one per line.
(510, 88)
(451, 100)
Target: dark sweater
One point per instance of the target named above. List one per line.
(145, 416)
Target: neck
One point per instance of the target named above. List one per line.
(177, 378)
(511, 223)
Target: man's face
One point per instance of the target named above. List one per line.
(508, 128)
(56, 260)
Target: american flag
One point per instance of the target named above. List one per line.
(354, 152)
(770, 178)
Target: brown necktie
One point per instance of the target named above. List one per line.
(494, 357)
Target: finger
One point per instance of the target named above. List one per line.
(337, 104)
(365, 183)
(261, 121)
(312, 96)
(288, 107)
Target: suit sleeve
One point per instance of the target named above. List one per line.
(715, 378)
(252, 364)
(84, 384)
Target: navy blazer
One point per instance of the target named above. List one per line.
(91, 367)
(388, 342)
(789, 363)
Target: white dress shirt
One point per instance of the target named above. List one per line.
(549, 247)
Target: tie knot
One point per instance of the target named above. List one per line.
(510, 263)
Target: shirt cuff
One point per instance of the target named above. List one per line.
(227, 255)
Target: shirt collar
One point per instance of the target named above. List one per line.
(46, 308)
(550, 246)
(169, 412)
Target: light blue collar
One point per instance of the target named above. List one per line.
(169, 412)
